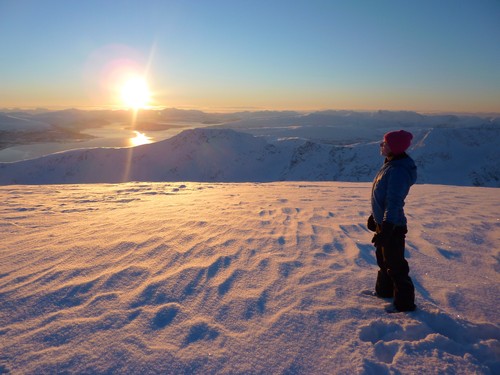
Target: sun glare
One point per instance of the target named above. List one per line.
(140, 139)
(135, 93)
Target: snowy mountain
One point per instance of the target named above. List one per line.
(364, 120)
(327, 145)
(444, 156)
(457, 156)
(11, 122)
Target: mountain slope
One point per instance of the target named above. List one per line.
(468, 156)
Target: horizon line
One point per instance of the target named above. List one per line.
(229, 110)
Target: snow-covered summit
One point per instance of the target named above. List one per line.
(202, 278)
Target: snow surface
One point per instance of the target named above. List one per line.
(456, 156)
(209, 278)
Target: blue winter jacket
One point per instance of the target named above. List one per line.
(390, 188)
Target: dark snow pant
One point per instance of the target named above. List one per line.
(392, 278)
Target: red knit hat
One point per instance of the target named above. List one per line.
(398, 141)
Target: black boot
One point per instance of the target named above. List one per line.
(404, 293)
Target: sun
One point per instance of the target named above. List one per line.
(135, 93)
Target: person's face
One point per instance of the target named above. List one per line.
(384, 149)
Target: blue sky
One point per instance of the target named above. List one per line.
(439, 55)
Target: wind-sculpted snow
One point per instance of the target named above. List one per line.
(204, 278)
(466, 156)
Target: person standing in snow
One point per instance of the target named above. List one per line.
(390, 188)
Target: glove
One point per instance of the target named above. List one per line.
(371, 224)
(382, 239)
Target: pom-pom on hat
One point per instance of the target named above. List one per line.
(398, 141)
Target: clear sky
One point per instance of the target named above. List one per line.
(426, 55)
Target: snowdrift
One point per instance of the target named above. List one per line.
(209, 278)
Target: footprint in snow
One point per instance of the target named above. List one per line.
(433, 330)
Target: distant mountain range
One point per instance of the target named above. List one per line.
(459, 155)
(19, 120)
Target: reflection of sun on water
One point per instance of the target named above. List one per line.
(140, 139)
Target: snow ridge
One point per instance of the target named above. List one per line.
(467, 157)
